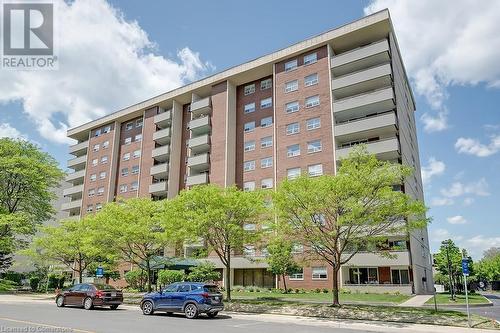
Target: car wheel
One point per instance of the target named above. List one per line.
(191, 311)
(147, 308)
(114, 306)
(212, 314)
(87, 303)
(60, 301)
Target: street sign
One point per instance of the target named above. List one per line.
(465, 267)
(99, 272)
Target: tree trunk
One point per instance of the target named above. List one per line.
(80, 275)
(335, 280)
(284, 283)
(148, 275)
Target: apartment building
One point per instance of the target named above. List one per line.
(298, 110)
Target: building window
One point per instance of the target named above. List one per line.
(137, 154)
(290, 65)
(91, 192)
(249, 227)
(266, 103)
(138, 138)
(126, 156)
(249, 145)
(129, 126)
(135, 169)
(249, 250)
(313, 123)
(315, 170)
(93, 177)
(134, 186)
(128, 141)
(266, 142)
(312, 101)
(100, 191)
(94, 162)
(102, 175)
(107, 129)
(297, 248)
(249, 108)
(293, 173)
(125, 172)
(90, 208)
(266, 122)
(249, 89)
(292, 107)
(96, 147)
(363, 275)
(266, 162)
(400, 276)
(266, 84)
(250, 126)
(293, 150)
(248, 186)
(314, 146)
(138, 122)
(291, 86)
(249, 166)
(123, 188)
(105, 145)
(292, 128)
(319, 273)
(310, 58)
(311, 80)
(104, 159)
(97, 132)
(298, 275)
(98, 207)
(266, 183)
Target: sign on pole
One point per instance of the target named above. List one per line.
(99, 272)
(465, 270)
(465, 267)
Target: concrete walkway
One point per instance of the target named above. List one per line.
(416, 301)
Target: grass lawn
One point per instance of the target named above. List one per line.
(444, 299)
(322, 297)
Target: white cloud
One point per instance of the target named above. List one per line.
(479, 188)
(445, 44)
(7, 131)
(433, 168)
(105, 63)
(439, 201)
(458, 219)
(439, 235)
(468, 201)
(476, 245)
(474, 147)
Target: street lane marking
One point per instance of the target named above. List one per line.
(46, 325)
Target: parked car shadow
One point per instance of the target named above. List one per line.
(200, 317)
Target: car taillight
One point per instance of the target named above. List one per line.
(205, 295)
(99, 294)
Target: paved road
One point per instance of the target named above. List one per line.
(492, 312)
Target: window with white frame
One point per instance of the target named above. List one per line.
(310, 58)
(319, 273)
(107, 129)
(291, 86)
(297, 248)
(250, 126)
(266, 122)
(90, 208)
(95, 161)
(137, 154)
(249, 227)
(104, 159)
(129, 126)
(249, 250)
(266, 103)
(100, 190)
(248, 186)
(91, 192)
(97, 132)
(293, 173)
(134, 186)
(293, 150)
(313, 123)
(249, 166)
(96, 147)
(105, 145)
(128, 140)
(315, 170)
(249, 89)
(135, 169)
(138, 122)
(312, 101)
(266, 162)
(314, 146)
(98, 207)
(290, 65)
(266, 84)
(138, 138)
(102, 175)
(266, 183)
(123, 188)
(93, 177)
(249, 108)
(311, 80)
(297, 275)
(126, 156)
(125, 172)
(292, 128)
(292, 107)
(249, 145)
(266, 142)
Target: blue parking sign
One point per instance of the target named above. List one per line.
(99, 272)
(465, 267)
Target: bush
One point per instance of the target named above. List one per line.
(136, 279)
(345, 291)
(56, 281)
(317, 290)
(325, 290)
(13, 276)
(166, 277)
(397, 293)
(203, 273)
(34, 282)
(7, 285)
(297, 290)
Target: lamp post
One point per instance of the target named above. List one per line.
(446, 244)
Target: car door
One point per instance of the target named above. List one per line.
(164, 300)
(179, 297)
(81, 294)
(70, 295)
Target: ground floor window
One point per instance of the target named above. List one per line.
(363, 275)
(319, 273)
(297, 275)
(400, 276)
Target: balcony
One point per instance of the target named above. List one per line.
(158, 188)
(199, 162)
(72, 205)
(79, 149)
(200, 125)
(73, 191)
(76, 176)
(159, 171)
(77, 162)
(398, 258)
(199, 144)
(385, 149)
(385, 123)
(199, 179)
(362, 81)
(162, 136)
(163, 119)
(161, 154)
(201, 107)
(364, 104)
(362, 57)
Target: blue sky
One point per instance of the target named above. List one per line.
(119, 52)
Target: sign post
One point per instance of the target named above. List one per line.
(465, 271)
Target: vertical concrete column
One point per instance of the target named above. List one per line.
(174, 167)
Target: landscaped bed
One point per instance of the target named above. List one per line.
(445, 299)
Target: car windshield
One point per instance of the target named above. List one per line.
(211, 289)
(104, 287)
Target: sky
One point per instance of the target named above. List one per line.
(115, 53)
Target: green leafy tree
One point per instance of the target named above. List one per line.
(218, 215)
(109, 266)
(136, 278)
(335, 217)
(280, 260)
(27, 176)
(488, 268)
(448, 261)
(205, 272)
(166, 277)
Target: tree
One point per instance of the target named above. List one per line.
(27, 176)
(135, 279)
(280, 259)
(166, 277)
(492, 252)
(335, 217)
(448, 262)
(218, 216)
(205, 272)
(109, 266)
(133, 229)
(488, 268)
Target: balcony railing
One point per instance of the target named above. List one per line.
(77, 161)
(201, 107)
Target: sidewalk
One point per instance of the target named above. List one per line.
(416, 301)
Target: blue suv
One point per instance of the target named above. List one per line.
(190, 298)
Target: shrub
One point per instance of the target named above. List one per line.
(297, 290)
(166, 277)
(397, 293)
(345, 291)
(250, 289)
(317, 290)
(203, 273)
(136, 279)
(13, 276)
(325, 290)
(56, 281)
(34, 281)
